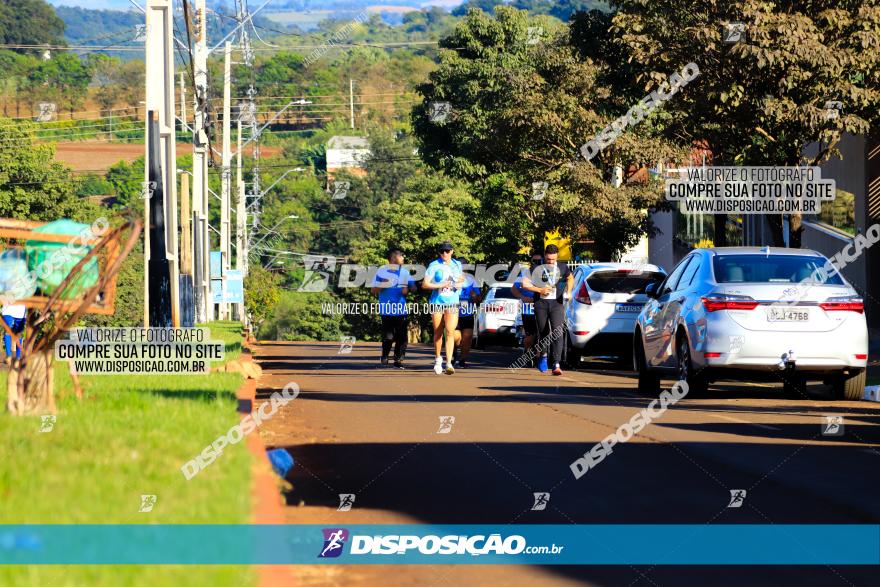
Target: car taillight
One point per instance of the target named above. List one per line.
(583, 296)
(844, 304)
(712, 355)
(715, 302)
(861, 357)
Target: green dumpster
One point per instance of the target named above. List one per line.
(52, 262)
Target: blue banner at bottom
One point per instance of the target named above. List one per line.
(442, 544)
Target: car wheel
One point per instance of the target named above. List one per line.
(851, 386)
(572, 354)
(477, 342)
(695, 382)
(794, 386)
(649, 381)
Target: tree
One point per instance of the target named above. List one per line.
(760, 101)
(64, 78)
(133, 83)
(105, 78)
(520, 113)
(261, 294)
(29, 22)
(33, 185)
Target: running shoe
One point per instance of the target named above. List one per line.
(557, 370)
(398, 364)
(449, 369)
(383, 362)
(542, 364)
(462, 364)
(438, 366)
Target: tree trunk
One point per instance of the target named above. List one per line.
(720, 230)
(776, 226)
(795, 230)
(30, 389)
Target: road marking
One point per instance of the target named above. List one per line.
(732, 419)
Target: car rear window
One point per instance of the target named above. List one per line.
(622, 281)
(504, 292)
(770, 269)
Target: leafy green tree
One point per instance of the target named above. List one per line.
(29, 22)
(106, 80)
(261, 294)
(133, 84)
(520, 113)
(64, 79)
(760, 101)
(33, 186)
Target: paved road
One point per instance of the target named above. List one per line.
(374, 432)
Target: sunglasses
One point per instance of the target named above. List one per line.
(445, 250)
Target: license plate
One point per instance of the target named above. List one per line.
(786, 315)
(628, 308)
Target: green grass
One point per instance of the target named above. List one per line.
(128, 437)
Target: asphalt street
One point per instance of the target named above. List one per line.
(376, 433)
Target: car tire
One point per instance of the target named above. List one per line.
(697, 384)
(794, 386)
(572, 354)
(649, 381)
(851, 387)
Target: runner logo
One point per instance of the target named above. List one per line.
(334, 540)
(317, 274)
(832, 426)
(446, 423)
(737, 497)
(346, 344)
(346, 500)
(147, 503)
(340, 189)
(542, 498)
(47, 423)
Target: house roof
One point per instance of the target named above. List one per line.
(343, 142)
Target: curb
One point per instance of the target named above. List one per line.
(265, 496)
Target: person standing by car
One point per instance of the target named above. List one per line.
(530, 325)
(444, 277)
(391, 285)
(469, 297)
(14, 315)
(547, 281)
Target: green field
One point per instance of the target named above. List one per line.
(128, 437)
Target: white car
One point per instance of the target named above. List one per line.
(606, 301)
(753, 313)
(496, 316)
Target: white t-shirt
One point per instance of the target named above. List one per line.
(15, 310)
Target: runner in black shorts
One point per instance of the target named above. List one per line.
(530, 325)
(469, 297)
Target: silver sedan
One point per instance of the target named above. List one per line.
(756, 314)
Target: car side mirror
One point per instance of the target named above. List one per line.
(652, 289)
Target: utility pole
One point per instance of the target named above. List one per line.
(161, 124)
(201, 238)
(226, 177)
(182, 104)
(240, 223)
(351, 99)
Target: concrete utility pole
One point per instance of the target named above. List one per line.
(182, 104)
(159, 49)
(226, 176)
(201, 238)
(351, 99)
(240, 226)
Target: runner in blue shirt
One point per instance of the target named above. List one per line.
(444, 277)
(530, 325)
(468, 297)
(391, 283)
